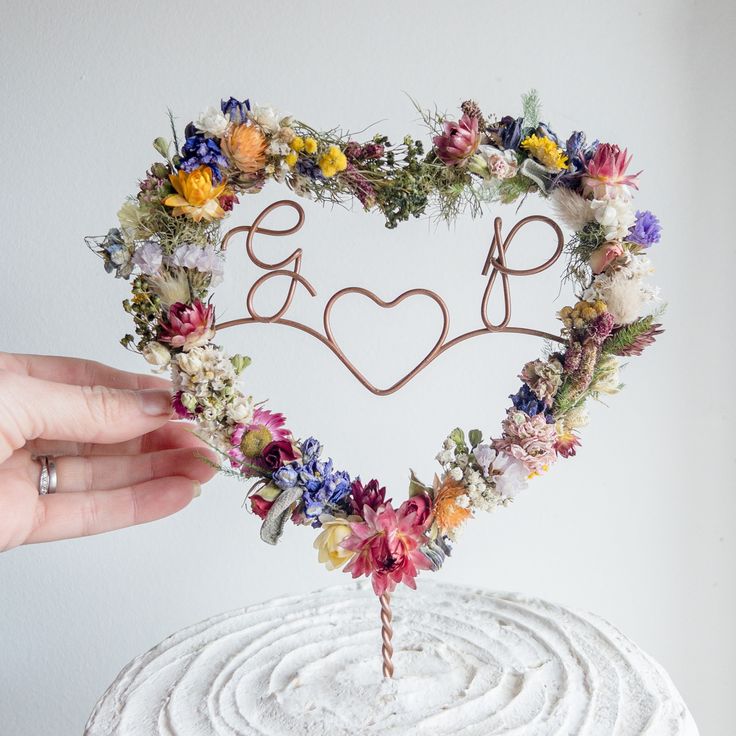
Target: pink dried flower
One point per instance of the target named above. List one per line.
(458, 141)
(567, 444)
(181, 411)
(420, 505)
(371, 494)
(186, 326)
(603, 256)
(361, 187)
(529, 439)
(605, 173)
(600, 328)
(387, 548)
(572, 357)
(250, 440)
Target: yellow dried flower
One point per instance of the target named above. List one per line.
(332, 162)
(310, 145)
(546, 151)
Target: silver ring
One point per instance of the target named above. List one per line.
(47, 478)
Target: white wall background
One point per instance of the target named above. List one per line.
(639, 527)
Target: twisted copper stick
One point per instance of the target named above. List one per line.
(387, 651)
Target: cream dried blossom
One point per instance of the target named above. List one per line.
(576, 418)
(171, 287)
(240, 410)
(131, 221)
(575, 211)
(157, 354)
(625, 289)
(543, 377)
(606, 379)
(269, 119)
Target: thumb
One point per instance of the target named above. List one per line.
(32, 408)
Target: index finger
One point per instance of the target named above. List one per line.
(77, 371)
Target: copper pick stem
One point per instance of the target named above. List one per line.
(387, 651)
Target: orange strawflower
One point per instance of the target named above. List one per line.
(448, 514)
(245, 147)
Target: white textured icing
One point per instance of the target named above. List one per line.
(467, 662)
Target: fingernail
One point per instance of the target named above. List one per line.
(196, 489)
(155, 402)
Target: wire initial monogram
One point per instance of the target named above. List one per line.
(290, 268)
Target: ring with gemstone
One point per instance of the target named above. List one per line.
(47, 478)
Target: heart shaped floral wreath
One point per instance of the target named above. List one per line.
(169, 243)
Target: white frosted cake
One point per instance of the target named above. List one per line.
(467, 662)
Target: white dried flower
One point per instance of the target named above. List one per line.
(513, 478)
(240, 410)
(212, 122)
(266, 117)
(456, 473)
(615, 215)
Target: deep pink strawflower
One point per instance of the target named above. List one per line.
(269, 428)
(187, 326)
(605, 173)
(387, 546)
(458, 141)
(371, 494)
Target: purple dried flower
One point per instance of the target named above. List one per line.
(148, 257)
(646, 230)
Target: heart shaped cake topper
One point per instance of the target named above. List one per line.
(168, 245)
(290, 268)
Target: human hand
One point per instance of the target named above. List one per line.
(120, 460)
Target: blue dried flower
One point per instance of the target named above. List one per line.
(312, 474)
(309, 168)
(527, 401)
(646, 230)
(116, 254)
(286, 477)
(544, 131)
(200, 151)
(578, 154)
(236, 111)
(311, 450)
(330, 496)
(507, 133)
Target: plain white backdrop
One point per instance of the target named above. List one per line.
(638, 528)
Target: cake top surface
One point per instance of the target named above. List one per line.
(467, 662)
